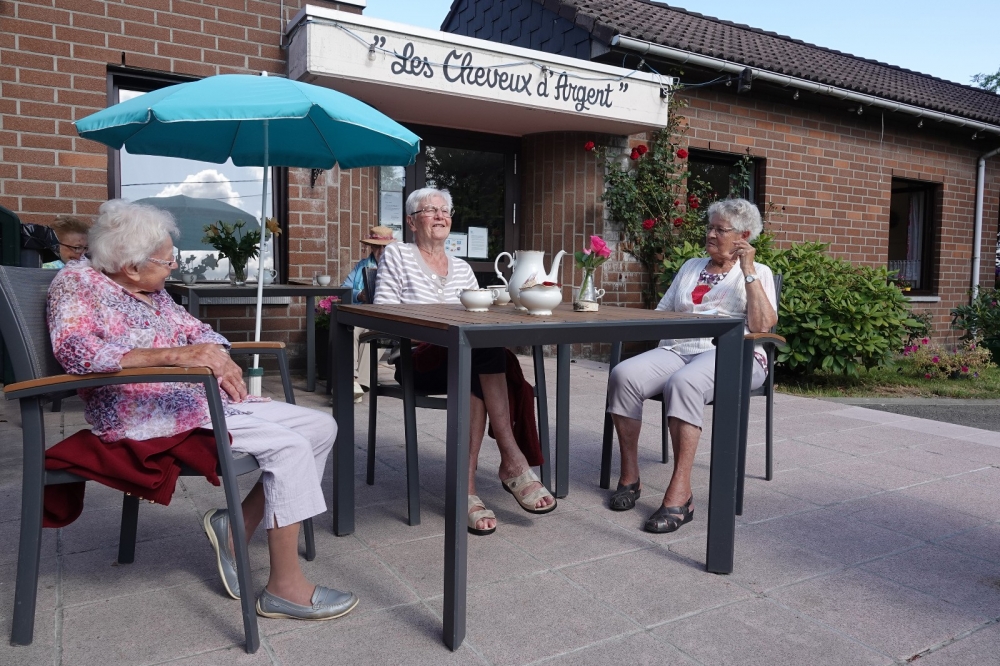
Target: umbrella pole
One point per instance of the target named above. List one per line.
(257, 374)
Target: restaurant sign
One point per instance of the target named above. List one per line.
(327, 44)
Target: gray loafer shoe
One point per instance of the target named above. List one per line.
(216, 523)
(327, 604)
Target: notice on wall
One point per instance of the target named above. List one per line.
(455, 245)
(479, 242)
(390, 212)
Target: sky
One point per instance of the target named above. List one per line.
(950, 40)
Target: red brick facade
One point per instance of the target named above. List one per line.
(827, 174)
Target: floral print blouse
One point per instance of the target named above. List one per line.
(94, 322)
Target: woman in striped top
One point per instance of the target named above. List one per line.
(728, 283)
(422, 273)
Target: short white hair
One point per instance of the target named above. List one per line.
(741, 214)
(417, 196)
(128, 234)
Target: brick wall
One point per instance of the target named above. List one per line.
(54, 58)
(829, 175)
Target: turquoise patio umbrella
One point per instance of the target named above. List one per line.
(260, 121)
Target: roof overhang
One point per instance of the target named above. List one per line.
(428, 77)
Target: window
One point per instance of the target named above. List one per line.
(912, 234)
(728, 175)
(195, 193)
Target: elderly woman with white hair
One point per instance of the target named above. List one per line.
(422, 273)
(730, 283)
(113, 313)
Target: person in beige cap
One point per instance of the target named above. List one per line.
(376, 240)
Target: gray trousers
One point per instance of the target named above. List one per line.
(687, 383)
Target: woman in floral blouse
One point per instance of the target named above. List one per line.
(113, 313)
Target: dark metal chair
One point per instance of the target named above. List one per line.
(38, 376)
(766, 390)
(412, 399)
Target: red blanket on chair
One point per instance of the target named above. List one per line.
(145, 468)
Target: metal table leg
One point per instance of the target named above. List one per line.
(343, 411)
(543, 415)
(562, 420)
(725, 451)
(456, 491)
(194, 301)
(311, 343)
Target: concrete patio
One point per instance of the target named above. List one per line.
(876, 543)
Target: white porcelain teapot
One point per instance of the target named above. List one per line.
(527, 266)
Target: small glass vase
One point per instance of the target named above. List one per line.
(237, 274)
(587, 295)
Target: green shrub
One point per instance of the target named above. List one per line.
(981, 319)
(835, 316)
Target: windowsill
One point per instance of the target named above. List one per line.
(922, 299)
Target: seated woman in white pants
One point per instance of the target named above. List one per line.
(728, 283)
(112, 313)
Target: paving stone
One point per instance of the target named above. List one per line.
(640, 649)
(762, 632)
(981, 647)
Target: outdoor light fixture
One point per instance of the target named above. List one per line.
(861, 110)
(371, 53)
(975, 135)
(920, 124)
(796, 95)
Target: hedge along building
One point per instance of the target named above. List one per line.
(880, 162)
(501, 127)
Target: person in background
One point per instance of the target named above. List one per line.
(72, 234)
(377, 239)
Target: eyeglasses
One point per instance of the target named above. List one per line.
(79, 249)
(172, 264)
(718, 230)
(434, 210)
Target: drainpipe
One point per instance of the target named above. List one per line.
(977, 228)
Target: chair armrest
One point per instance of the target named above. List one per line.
(56, 383)
(251, 347)
(765, 338)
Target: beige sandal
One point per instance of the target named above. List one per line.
(518, 483)
(476, 516)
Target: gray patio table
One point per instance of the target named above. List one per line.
(458, 330)
(195, 292)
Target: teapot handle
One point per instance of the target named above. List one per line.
(496, 266)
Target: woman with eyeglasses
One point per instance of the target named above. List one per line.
(421, 272)
(729, 283)
(113, 313)
(71, 233)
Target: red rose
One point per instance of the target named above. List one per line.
(648, 224)
(589, 146)
(693, 204)
(681, 153)
(635, 154)
(678, 221)
(642, 149)
(677, 202)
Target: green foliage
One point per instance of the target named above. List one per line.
(835, 316)
(921, 328)
(981, 320)
(989, 82)
(932, 361)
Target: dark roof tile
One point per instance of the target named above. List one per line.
(678, 28)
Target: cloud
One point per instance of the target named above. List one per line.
(206, 184)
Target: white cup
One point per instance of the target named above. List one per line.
(502, 295)
(477, 300)
(189, 278)
(323, 280)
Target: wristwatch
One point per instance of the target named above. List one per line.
(749, 278)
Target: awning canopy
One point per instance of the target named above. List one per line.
(427, 77)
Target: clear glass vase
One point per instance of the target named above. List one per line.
(588, 291)
(237, 273)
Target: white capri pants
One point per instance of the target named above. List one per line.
(687, 382)
(291, 445)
